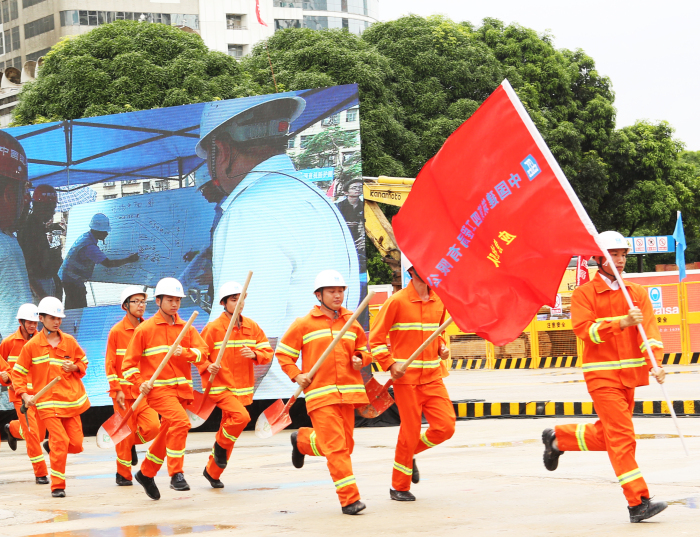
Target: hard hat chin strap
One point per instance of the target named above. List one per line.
(336, 313)
(24, 327)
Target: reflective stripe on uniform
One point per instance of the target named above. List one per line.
(130, 372)
(420, 327)
(124, 463)
(581, 436)
(345, 482)
(422, 364)
(62, 404)
(175, 453)
(403, 469)
(332, 388)
(627, 477)
(20, 369)
(593, 333)
(653, 343)
(120, 352)
(316, 334)
(263, 345)
(37, 459)
(379, 349)
(286, 349)
(155, 350)
(198, 353)
(312, 440)
(56, 473)
(151, 457)
(426, 441)
(216, 390)
(614, 365)
(177, 381)
(229, 436)
(236, 344)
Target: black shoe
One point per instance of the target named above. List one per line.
(11, 440)
(42, 480)
(149, 485)
(415, 476)
(58, 493)
(134, 456)
(551, 454)
(353, 508)
(123, 481)
(220, 456)
(298, 456)
(46, 447)
(177, 482)
(402, 495)
(646, 509)
(215, 483)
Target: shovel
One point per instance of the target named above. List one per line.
(378, 395)
(115, 429)
(276, 416)
(202, 406)
(23, 409)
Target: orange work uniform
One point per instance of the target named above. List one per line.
(407, 321)
(614, 364)
(33, 435)
(172, 390)
(234, 385)
(61, 406)
(334, 393)
(144, 421)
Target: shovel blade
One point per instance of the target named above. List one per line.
(379, 399)
(202, 406)
(273, 420)
(116, 428)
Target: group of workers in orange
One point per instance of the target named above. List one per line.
(30, 360)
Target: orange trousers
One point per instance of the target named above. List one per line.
(331, 437)
(234, 418)
(413, 400)
(144, 424)
(172, 433)
(65, 436)
(614, 433)
(32, 435)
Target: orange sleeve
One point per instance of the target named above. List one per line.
(79, 359)
(289, 348)
(5, 368)
(361, 345)
(132, 359)
(651, 328)
(110, 364)
(263, 349)
(379, 334)
(198, 352)
(209, 337)
(21, 370)
(584, 321)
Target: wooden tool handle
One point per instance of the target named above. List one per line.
(337, 339)
(40, 393)
(427, 342)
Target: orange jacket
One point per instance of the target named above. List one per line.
(148, 347)
(10, 348)
(43, 362)
(408, 321)
(612, 356)
(237, 373)
(119, 337)
(336, 382)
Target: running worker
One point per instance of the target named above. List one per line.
(234, 383)
(335, 390)
(144, 421)
(172, 390)
(407, 319)
(615, 362)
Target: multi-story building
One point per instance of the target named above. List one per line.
(29, 28)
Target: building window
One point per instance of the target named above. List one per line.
(288, 3)
(15, 38)
(290, 143)
(146, 186)
(5, 11)
(304, 141)
(344, 6)
(191, 21)
(320, 23)
(331, 120)
(69, 18)
(2, 48)
(39, 26)
(346, 26)
(351, 115)
(38, 54)
(316, 5)
(235, 22)
(17, 63)
(110, 196)
(95, 18)
(236, 51)
(283, 24)
(347, 156)
(14, 9)
(30, 3)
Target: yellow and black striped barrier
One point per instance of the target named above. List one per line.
(468, 363)
(558, 361)
(482, 409)
(512, 363)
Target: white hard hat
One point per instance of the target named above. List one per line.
(131, 291)
(28, 312)
(405, 261)
(612, 240)
(170, 287)
(100, 222)
(230, 288)
(329, 278)
(51, 306)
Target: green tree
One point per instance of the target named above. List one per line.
(127, 66)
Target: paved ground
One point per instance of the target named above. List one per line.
(487, 480)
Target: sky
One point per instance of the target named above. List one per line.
(648, 49)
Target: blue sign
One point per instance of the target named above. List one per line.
(318, 174)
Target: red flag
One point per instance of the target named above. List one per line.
(257, 13)
(492, 222)
(582, 275)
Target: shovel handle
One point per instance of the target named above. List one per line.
(337, 339)
(39, 394)
(427, 342)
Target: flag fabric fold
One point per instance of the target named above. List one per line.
(492, 222)
(582, 274)
(679, 236)
(257, 13)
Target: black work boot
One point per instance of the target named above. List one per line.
(41, 480)
(402, 495)
(298, 456)
(134, 456)
(177, 482)
(646, 509)
(220, 456)
(123, 481)
(415, 476)
(46, 447)
(551, 454)
(58, 493)
(11, 440)
(149, 485)
(353, 508)
(215, 483)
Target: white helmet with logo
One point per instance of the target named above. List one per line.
(100, 222)
(329, 278)
(130, 291)
(28, 312)
(170, 287)
(51, 306)
(612, 240)
(230, 288)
